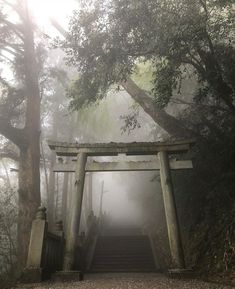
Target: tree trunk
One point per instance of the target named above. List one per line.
(169, 123)
(29, 200)
(29, 173)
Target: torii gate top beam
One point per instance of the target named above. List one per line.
(112, 148)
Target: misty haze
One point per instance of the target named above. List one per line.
(117, 144)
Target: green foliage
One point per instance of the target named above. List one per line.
(87, 88)
(143, 75)
(11, 100)
(165, 81)
(108, 38)
(8, 222)
(130, 121)
(205, 197)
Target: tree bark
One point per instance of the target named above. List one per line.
(29, 173)
(169, 123)
(29, 201)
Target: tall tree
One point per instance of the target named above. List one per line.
(107, 39)
(20, 112)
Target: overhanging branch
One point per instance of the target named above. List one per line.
(9, 154)
(14, 53)
(58, 27)
(169, 123)
(15, 135)
(14, 28)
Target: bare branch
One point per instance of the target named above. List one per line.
(14, 7)
(169, 123)
(6, 58)
(14, 28)
(58, 27)
(15, 135)
(8, 50)
(9, 154)
(17, 47)
(183, 102)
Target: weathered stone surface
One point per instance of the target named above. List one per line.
(36, 243)
(123, 166)
(109, 149)
(67, 276)
(31, 275)
(181, 273)
(175, 242)
(75, 213)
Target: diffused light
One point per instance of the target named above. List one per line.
(43, 10)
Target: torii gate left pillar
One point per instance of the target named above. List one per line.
(75, 212)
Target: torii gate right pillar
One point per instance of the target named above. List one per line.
(175, 242)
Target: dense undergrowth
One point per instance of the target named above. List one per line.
(206, 201)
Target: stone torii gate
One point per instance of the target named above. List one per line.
(163, 163)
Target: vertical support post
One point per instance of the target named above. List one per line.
(33, 270)
(175, 242)
(90, 192)
(75, 212)
(37, 237)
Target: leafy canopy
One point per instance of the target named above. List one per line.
(108, 38)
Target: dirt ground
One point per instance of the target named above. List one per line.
(125, 281)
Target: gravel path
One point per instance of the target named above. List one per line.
(127, 281)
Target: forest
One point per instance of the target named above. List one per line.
(119, 71)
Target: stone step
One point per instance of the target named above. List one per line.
(124, 251)
(143, 265)
(126, 256)
(123, 254)
(123, 269)
(62, 276)
(112, 260)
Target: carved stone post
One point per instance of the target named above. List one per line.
(75, 212)
(171, 213)
(33, 271)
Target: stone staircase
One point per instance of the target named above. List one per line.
(130, 253)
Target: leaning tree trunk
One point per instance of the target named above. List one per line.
(169, 123)
(29, 163)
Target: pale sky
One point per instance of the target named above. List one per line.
(58, 9)
(42, 11)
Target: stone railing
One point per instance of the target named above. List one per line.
(46, 249)
(53, 252)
